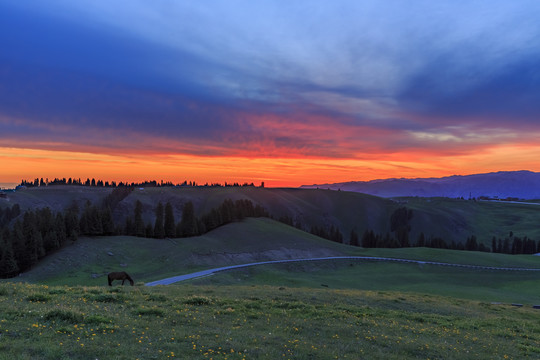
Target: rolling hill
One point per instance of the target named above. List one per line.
(449, 219)
(88, 260)
(504, 184)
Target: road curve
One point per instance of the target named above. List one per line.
(208, 272)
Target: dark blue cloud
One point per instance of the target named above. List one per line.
(198, 75)
(57, 72)
(506, 95)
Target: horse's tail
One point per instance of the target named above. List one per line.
(109, 279)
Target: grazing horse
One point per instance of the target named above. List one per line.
(122, 275)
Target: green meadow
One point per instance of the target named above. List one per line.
(338, 309)
(256, 322)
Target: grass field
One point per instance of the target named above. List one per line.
(455, 219)
(256, 322)
(88, 260)
(62, 309)
(489, 286)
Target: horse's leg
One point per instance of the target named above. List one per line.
(123, 281)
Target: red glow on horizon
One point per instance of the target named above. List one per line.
(28, 164)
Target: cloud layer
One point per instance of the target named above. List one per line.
(421, 84)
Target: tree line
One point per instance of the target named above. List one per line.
(41, 182)
(34, 234)
(400, 225)
(28, 237)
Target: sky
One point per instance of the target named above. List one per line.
(285, 92)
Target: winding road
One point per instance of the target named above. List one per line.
(209, 272)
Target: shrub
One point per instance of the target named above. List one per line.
(108, 298)
(198, 300)
(37, 298)
(57, 291)
(150, 311)
(97, 319)
(156, 297)
(63, 315)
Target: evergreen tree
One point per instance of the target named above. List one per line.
(140, 229)
(368, 239)
(50, 241)
(71, 219)
(212, 220)
(95, 223)
(421, 240)
(517, 246)
(149, 231)
(169, 225)
(188, 224)
(506, 246)
(353, 239)
(159, 230)
(19, 246)
(34, 249)
(227, 211)
(107, 222)
(60, 229)
(471, 244)
(400, 224)
(8, 264)
(84, 222)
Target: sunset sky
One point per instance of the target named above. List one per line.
(285, 92)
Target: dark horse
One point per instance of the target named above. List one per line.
(122, 275)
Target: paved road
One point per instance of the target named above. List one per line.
(209, 272)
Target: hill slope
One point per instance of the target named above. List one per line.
(449, 219)
(88, 260)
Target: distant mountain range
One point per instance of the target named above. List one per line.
(504, 184)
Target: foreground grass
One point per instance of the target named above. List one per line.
(479, 285)
(256, 322)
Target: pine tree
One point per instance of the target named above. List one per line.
(354, 238)
(170, 228)
(421, 240)
(140, 229)
(60, 228)
(107, 222)
(188, 224)
(149, 231)
(8, 264)
(19, 247)
(95, 226)
(84, 222)
(71, 219)
(33, 240)
(159, 230)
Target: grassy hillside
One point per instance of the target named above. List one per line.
(450, 219)
(88, 260)
(457, 219)
(256, 322)
(56, 198)
(308, 207)
(501, 286)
